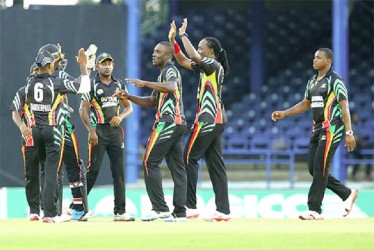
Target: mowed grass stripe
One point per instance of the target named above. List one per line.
(103, 233)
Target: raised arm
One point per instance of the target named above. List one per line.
(190, 50)
(178, 54)
(85, 85)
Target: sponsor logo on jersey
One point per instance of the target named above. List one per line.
(41, 107)
(109, 101)
(317, 102)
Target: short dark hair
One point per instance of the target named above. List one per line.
(169, 47)
(328, 53)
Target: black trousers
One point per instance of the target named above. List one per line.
(72, 167)
(323, 144)
(111, 140)
(166, 142)
(31, 172)
(49, 142)
(206, 140)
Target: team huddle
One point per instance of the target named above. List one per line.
(41, 111)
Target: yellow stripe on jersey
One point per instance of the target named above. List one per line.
(212, 79)
(328, 106)
(98, 111)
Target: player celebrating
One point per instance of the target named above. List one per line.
(210, 60)
(45, 94)
(166, 138)
(73, 164)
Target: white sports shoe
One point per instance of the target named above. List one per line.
(218, 216)
(56, 219)
(311, 215)
(64, 217)
(172, 218)
(192, 213)
(123, 217)
(154, 215)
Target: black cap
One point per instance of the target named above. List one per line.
(33, 67)
(104, 56)
(44, 58)
(51, 48)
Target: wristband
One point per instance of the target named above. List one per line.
(177, 49)
(183, 34)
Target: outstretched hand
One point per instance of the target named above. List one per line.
(82, 57)
(121, 94)
(136, 82)
(61, 56)
(183, 28)
(172, 32)
(277, 115)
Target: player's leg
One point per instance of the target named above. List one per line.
(95, 158)
(175, 162)
(59, 191)
(115, 152)
(41, 154)
(72, 167)
(195, 148)
(31, 165)
(313, 210)
(217, 170)
(53, 137)
(158, 145)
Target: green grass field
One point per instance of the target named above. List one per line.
(103, 233)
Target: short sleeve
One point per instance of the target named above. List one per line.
(18, 100)
(340, 90)
(171, 74)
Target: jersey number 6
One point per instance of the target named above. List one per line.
(38, 92)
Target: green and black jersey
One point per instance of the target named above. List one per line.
(325, 96)
(104, 106)
(210, 107)
(46, 95)
(170, 105)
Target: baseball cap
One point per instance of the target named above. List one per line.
(51, 48)
(44, 58)
(104, 56)
(33, 67)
